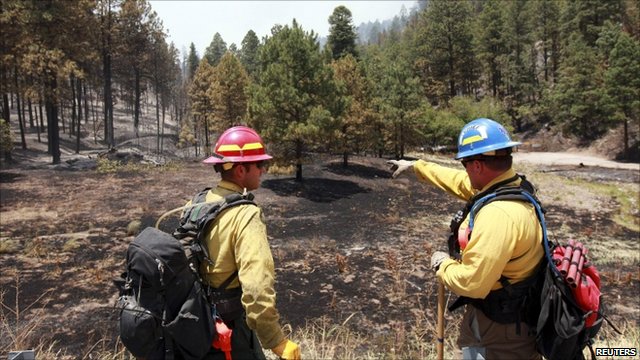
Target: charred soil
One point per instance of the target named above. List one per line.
(349, 244)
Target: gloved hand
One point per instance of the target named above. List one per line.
(437, 258)
(288, 350)
(400, 166)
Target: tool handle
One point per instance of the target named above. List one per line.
(440, 325)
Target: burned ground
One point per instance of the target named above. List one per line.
(349, 244)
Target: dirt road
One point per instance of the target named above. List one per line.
(566, 158)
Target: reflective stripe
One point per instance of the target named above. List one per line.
(472, 139)
(236, 147)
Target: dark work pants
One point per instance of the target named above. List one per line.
(244, 343)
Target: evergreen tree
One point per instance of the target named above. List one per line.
(51, 56)
(352, 130)
(135, 26)
(342, 33)
(402, 100)
(579, 101)
(622, 80)
(249, 53)
(200, 98)
(491, 47)
(587, 17)
(444, 40)
(293, 104)
(520, 60)
(215, 50)
(228, 93)
(192, 61)
(547, 30)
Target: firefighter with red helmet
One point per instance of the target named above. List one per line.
(489, 264)
(242, 262)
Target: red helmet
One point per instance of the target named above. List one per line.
(237, 145)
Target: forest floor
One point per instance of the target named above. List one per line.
(351, 245)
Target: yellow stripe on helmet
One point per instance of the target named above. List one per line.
(472, 139)
(235, 147)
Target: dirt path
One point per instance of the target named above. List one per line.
(566, 158)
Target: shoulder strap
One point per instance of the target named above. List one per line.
(458, 218)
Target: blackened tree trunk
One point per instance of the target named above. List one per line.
(136, 105)
(41, 128)
(74, 116)
(158, 121)
(30, 113)
(5, 108)
(51, 106)
(20, 119)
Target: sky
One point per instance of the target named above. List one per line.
(198, 21)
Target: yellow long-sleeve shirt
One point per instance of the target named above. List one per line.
(506, 237)
(238, 240)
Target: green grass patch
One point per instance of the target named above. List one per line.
(624, 194)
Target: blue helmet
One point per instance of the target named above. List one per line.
(481, 136)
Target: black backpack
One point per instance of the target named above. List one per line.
(164, 309)
(549, 305)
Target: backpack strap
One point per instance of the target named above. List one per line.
(524, 192)
(454, 247)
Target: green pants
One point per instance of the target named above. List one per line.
(244, 343)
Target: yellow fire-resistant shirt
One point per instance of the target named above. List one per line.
(506, 237)
(239, 241)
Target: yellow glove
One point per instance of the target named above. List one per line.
(287, 350)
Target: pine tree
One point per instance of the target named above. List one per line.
(444, 40)
(353, 126)
(579, 101)
(622, 81)
(201, 100)
(228, 93)
(215, 50)
(342, 33)
(293, 103)
(249, 53)
(491, 47)
(547, 30)
(192, 61)
(135, 26)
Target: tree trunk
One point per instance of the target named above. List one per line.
(74, 116)
(158, 121)
(86, 103)
(20, 115)
(6, 113)
(162, 133)
(79, 98)
(106, 74)
(41, 127)
(30, 113)
(626, 139)
(298, 160)
(61, 113)
(206, 136)
(52, 118)
(136, 105)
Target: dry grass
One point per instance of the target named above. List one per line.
(19, 324)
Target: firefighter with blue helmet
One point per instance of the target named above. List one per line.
(489, 265)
